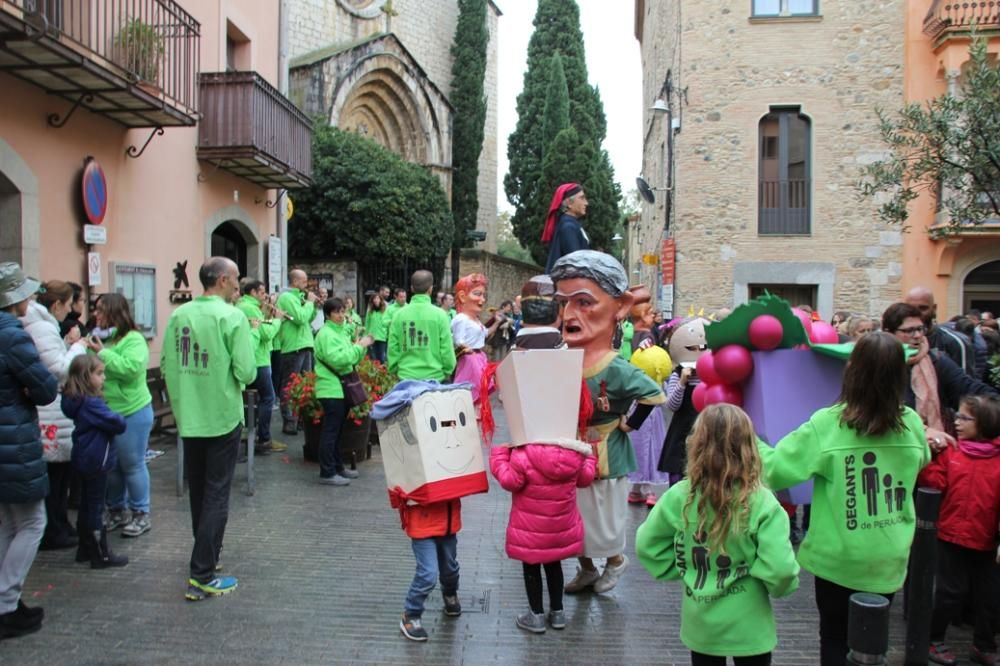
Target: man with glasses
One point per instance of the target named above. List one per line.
(954, 344)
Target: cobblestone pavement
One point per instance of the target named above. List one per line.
(323, 572)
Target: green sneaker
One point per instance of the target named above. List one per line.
(214, 588)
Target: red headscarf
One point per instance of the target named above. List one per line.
(557, 199)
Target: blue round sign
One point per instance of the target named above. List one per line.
(95, 192)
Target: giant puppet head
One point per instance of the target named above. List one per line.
(470, 295)
(593, 290)
(687, 341)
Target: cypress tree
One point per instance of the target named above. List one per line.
(556, 114)
(468, 70)
(557, 30)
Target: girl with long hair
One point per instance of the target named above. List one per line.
(375, 327)
(725, 536)
(862, 455)
(42, 320)
(95, 427)
(126, 356)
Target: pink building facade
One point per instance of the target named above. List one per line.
(179, 104)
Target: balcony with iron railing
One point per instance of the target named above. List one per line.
(947, 19)
(250, 129)
(783, 207)
(134, 61)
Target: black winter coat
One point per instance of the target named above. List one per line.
(24, 383)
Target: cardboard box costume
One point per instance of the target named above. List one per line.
(431, 449)
(540, 390)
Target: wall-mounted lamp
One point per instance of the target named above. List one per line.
(659, 106)
(617, 237)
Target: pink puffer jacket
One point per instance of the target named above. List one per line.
(545, 525)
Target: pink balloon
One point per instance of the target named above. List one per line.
(728, 393)
(733, 363)
(698, 396)
(705, 367)
(765, 332)
(806, 320)
(823, 333)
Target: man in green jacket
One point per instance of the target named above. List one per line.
(207, 359)
(420, 343)
(295, 338)
(397, 304)
(263, 329)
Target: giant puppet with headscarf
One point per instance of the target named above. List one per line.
(593, 290)
(563, 230)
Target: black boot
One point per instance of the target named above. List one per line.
(19, 622)
(101, 556)
(83, 547)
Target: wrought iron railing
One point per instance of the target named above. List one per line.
(243, 112)
(945, 16)
(154, 42)
(783, 207)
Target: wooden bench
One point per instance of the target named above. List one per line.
(163, 415)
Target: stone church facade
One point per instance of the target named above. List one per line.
(382, 68)
(765, 117)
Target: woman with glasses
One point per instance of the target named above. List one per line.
(936, 382)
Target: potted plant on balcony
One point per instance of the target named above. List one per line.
(355, 438)
(138, 49)
(301, 396)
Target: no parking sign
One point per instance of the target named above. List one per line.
(94, 189)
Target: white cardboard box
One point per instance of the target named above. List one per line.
(540, 390)
(433, 447)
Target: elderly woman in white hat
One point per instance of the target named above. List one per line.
(25, 383)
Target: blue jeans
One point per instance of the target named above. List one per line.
(376, 351)
(437, 557)
(265, 395)
(131, 474)
(334, 414)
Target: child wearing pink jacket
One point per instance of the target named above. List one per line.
(545, 526)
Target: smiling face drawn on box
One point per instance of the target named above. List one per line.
(446, 425)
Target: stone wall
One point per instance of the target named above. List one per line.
(732, 69)
(506, 276)
(426, 29)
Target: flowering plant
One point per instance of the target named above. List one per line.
(300, 393)
(377, 381)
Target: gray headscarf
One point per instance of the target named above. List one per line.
(592, 265)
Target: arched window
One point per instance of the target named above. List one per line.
(783, 176)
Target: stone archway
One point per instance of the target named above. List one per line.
(981, 288)
(233, 233)
(20, 230)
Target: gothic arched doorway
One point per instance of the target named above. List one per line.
(981, 289)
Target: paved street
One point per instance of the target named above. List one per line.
(323, 572)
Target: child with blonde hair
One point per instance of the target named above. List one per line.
(93, 455)
(725, 535)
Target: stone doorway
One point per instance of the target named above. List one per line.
(10, 220)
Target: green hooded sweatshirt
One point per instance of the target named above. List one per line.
(420, 343)
(726, 609)
(207, 359)
(628, 332)
(262, 336)
(125, 364)
(375, 324)
(862, 519)
(295, 333)
(335, 349)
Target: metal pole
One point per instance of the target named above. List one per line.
(867, 630)
(920, 590)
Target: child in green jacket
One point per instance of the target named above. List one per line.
(725, 536)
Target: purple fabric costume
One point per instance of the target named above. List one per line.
(648, 443)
